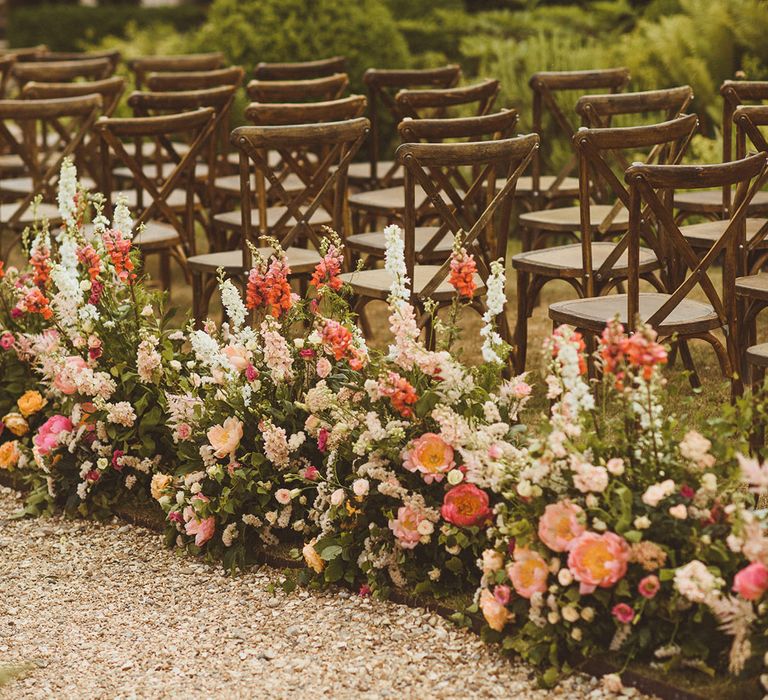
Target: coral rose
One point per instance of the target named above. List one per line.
(238, 356)
(202, 529)
(30, 402)
(430, 455)
(495, 614)
(466, 505)
(9, 454)
(406, 526)
(313, 559)
(16, 423)
(160, 483)
(623, 613)
(598, 560)
(751, 582)
(528, 573)
(47, 437)
(560, 525)
(226, 437)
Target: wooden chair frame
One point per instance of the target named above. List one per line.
(62, 71)
(414, 103)
(141, 67)
(301, 70)
(330, 87)
(182, 81)
(597, 111)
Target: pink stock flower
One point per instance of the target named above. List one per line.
(406, 526)
(751, 582)
(47, 437)
(430, 455)
(598, 560)
(528, 573)
(183, 431)
(466, 505)
(649, 586)
(623, 613)
(560, 525)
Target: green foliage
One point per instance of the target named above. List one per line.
(73, 28)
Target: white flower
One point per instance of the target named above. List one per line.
(588, 614)
(679, 511)
(570, 613)
(656, 493)
(455, 476)
(697, 583)
(394, 263)
(67, 191)
(495, 299)
(283, 496)
(233, 303)
(122, 220)
(230, 534)
(565, 577)
(360, 487)
(425, 527)
(642, 522)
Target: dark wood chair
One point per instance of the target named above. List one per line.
(144, 65)
(299, 214)
(26, 53)
(74, 116)
(388, 202)
(330, 87)
(372, 245)
(62, 71)
(158, 200)
(113, 55)
(180, 81)
(301, 70)
(6, 65)
(382, 85)
(673, 313)
(593, 267)
(476, 214)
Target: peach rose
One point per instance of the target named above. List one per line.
(30, 402)
(406, 526)
(598, 560)
(560, 525)
(16, 423)
(226, 437)
(751, 582)
(495, 614)
(313, 559)
(430, 455)
(238, 357)
(63, 380)
(528, 573)
(9, 454)
(160, 483)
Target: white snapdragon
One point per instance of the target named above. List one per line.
(122, 221)
(233, 304)
(495, 300)
(67, 192)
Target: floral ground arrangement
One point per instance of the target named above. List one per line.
(612, 530)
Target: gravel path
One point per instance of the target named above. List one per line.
(104, 611)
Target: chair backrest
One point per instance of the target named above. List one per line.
(181, 63)
(62, 71)
(172, 81)
(382, 85)
(329, 87)
(72, 118)
(113, 55)
(479, 215)
(499, 125)
(280, 114)
(546, 86)
(26, 53)
(600, 110)
(436, 102)
(6, 64)
(325, 181)
(654, 185)
(198, 126)
(663, 143)
(301, 70)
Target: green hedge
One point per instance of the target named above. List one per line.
(72, 27)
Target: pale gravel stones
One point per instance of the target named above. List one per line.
(104, 611)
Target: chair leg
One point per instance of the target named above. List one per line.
(521, 323)
(685, 356)
(757, 435)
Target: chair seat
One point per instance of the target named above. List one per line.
(758, 355)
(376, 283)
(230, 184)
(568, 261)
(703, 235)
(711, 201)
(176, 200)
(389, 199)
(24, 185)
(375, 244)
(44, 211)
(753, 286)
(156, 234)
(233, 219)
(569, 218)
(300, 260)
(11, 162)
(150, 169)
(593, 313)
(569, 187)
(361, 172)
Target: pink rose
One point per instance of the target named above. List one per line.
(323, 367)
(251, 373)
(406, 526)
(502, 593)
(560, 525)
(47, 437)
(598, 560)
(752, 581)
(528, 573)
(238, 356)
(226, 437)
(64, 380)
(430, 455)
(466, 505)
(649, 586)
(202, 529)
(322, 439)
(623, 613)
(311, 473)
(7, 340)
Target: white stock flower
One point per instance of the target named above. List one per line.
(495, 300)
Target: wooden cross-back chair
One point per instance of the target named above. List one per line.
(76, 116)
(430, 248)
(62, 71)
(141, 67)
(329, 87)
(713, 204)
(164, 205)
(112, 55)
(179, 81)
(476, 216)
(476, 100)
(26, 53)
(6, 64)
(300, 70)
(593, 267)
(599, 110)
(299, 214)
(674, 314)
(382, 85)
(538, 190)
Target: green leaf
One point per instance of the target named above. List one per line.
(330, 552)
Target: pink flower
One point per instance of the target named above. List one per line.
(598, 560)
(406, 526)
(183, 431)
(175, 517)
(226, 437)
(251, 373)
(528, 573)
(502, 593)
(47, 437)
(283, 496)
(307, 353)
(238, 356)
(202, 529)
(365, 591)
(116, 464)
(623, 613)
(311, 473)
(752, 581)
(93, 475)
(323, 367)
(494, 612)
(466, 505)
(64, 380)
(649, 586)
(430, 455)
(560, 525)
(322, 439)
(7, 340)
(687, 492)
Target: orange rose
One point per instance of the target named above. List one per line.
(16, 423)
(9, 454)
(31, 402)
